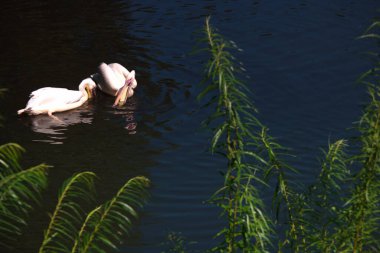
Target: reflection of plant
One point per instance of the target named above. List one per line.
(19, 191)
(324, 219)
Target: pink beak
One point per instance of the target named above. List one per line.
(122, 95)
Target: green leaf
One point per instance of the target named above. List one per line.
(20, 190)
(68, 215)
(98, 231)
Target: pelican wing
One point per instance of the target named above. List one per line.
(46, 91)
(51, 95)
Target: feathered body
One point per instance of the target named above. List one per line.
(112, 77)
(50, 99)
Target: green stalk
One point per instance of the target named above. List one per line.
(237, 199)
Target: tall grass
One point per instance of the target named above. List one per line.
(338, 213)
(364, 205)
(250, 154)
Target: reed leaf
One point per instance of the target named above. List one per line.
(248, 226)
(325, 216)
(363, 206)
(106, 226)
(68, 214)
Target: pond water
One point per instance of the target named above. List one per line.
(301, 59)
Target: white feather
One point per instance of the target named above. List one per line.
(50, 99)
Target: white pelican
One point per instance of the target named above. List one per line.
(49, 99)
(115, 80)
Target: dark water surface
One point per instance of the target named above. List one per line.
(301, 60)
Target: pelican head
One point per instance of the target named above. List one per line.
(127, 90)
(90, 89)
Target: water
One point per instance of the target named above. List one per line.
(301, 59)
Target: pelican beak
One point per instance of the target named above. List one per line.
(89, 91)
(122, 94)
(121, 98)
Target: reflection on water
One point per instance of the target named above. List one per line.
(53, 129)
(127, 113)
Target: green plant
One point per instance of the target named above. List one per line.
(177, 243)
(339, 213)
(106, 225)
(324, 203)
(365, 200)
(19, 191)
(68, 214)
(248, 227)
(73, 230)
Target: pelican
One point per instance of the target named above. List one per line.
(115, 80)
(48, 100)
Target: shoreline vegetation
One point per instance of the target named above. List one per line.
(340, 212)
(324, 218)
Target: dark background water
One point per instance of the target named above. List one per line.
(301, 59)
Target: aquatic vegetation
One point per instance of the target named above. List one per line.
(339, 213)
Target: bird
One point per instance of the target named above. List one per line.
(126, 90)
(115, 80)
(48, 100)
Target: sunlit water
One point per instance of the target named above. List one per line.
(301, 60)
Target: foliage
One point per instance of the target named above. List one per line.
(19, 191)
(339, 213)
(103, 228)
(107, 224)
(249, 228)
(363, 210)
(325, 202)
(71, 229)
(68, 214)
(177, 243)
